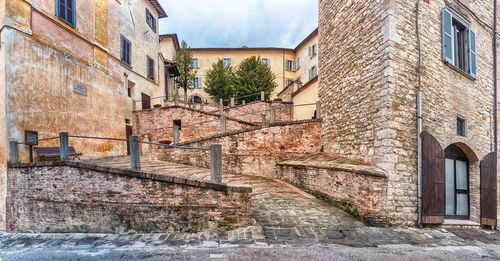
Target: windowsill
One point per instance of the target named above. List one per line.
(126, 65)
(460, 222)
(459, 71)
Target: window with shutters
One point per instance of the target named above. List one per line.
(151, 69)
(459, 43)
(298, 63)
(312, 50)
(125, 50)
(290, 65)
(266, 61)
(151, 20)
(196, 83)
(226, 62)
(65, 10)
(196, 63)
(313, 72)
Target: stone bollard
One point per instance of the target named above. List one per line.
(243, 102)
(176, 100)
(232, 102)
(135, 158)
(202, 106)
(14, 154)
(221, 106)
(216, 162)
(63, 146)
(223, 124)
(272, 119)
(262, 96)
(264, 122)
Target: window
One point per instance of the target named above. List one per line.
(227, 62)
(129, 92)
(459, 43)
(65, 10)
(266, 61)
(125, 50)
(298, 63)
(178, 123)
(312, 50)
(151, 20)
(290, 65)
(196, 83)
(461, 126)
(196, 63)
(151, 69)
(288, 82)
(313, 72)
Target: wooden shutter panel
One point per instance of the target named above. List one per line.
(433, 180)
(488, 188)
(447, 31)
(471, 53)
(146, 101)
(151, 68)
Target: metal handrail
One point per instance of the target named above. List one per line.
(174, 146)
(245, 96)
(96, 138)
(52, 138)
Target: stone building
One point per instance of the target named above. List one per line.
(369, 89)
(65, 67)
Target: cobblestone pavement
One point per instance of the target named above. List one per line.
(284, 217)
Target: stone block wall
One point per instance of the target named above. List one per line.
(283, 114)
(156, 125)
(253, 152)
(69, 197)
(368, 86)
(361, 190)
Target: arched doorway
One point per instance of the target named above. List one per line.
(457, 191)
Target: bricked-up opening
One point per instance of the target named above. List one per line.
(178, 123)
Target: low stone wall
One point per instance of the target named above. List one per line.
(156, 124)
(360, 190)
(283, 114)
(80, 197)
(254, 151)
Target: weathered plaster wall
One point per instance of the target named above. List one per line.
(49, 105)
(307, 94)
(3, 133)
(79, 197)
(358, 189)
(368, 84)
(253, 152)
(156, 125)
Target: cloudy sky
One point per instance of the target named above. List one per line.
(234, 23)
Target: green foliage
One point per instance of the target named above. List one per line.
(253, 76)
(184, 61)
(219, 81)
(250, 77)
(322, 149)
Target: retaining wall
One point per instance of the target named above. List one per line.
(76, 197)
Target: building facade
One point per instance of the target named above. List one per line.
(370, 94)
(64, 67)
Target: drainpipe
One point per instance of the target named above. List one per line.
(495, 75)
(419, 122)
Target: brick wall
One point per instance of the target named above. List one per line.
(78, 197)
(253, 152)
(283, 114)
(157, 124)
(358, 189)
(368, 85)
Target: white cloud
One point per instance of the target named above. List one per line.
(234, 23)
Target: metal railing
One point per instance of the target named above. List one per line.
(135, 161)
(223, 119)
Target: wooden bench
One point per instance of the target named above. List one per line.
(54, 152)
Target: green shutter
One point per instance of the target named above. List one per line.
(471, 53)
(447, 33)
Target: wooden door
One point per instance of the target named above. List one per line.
(146, 101)
(489, 189)
(433, 180)
(128, 130)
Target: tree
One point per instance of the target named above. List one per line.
(253, 76)
(219, 81)
(184, 61)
